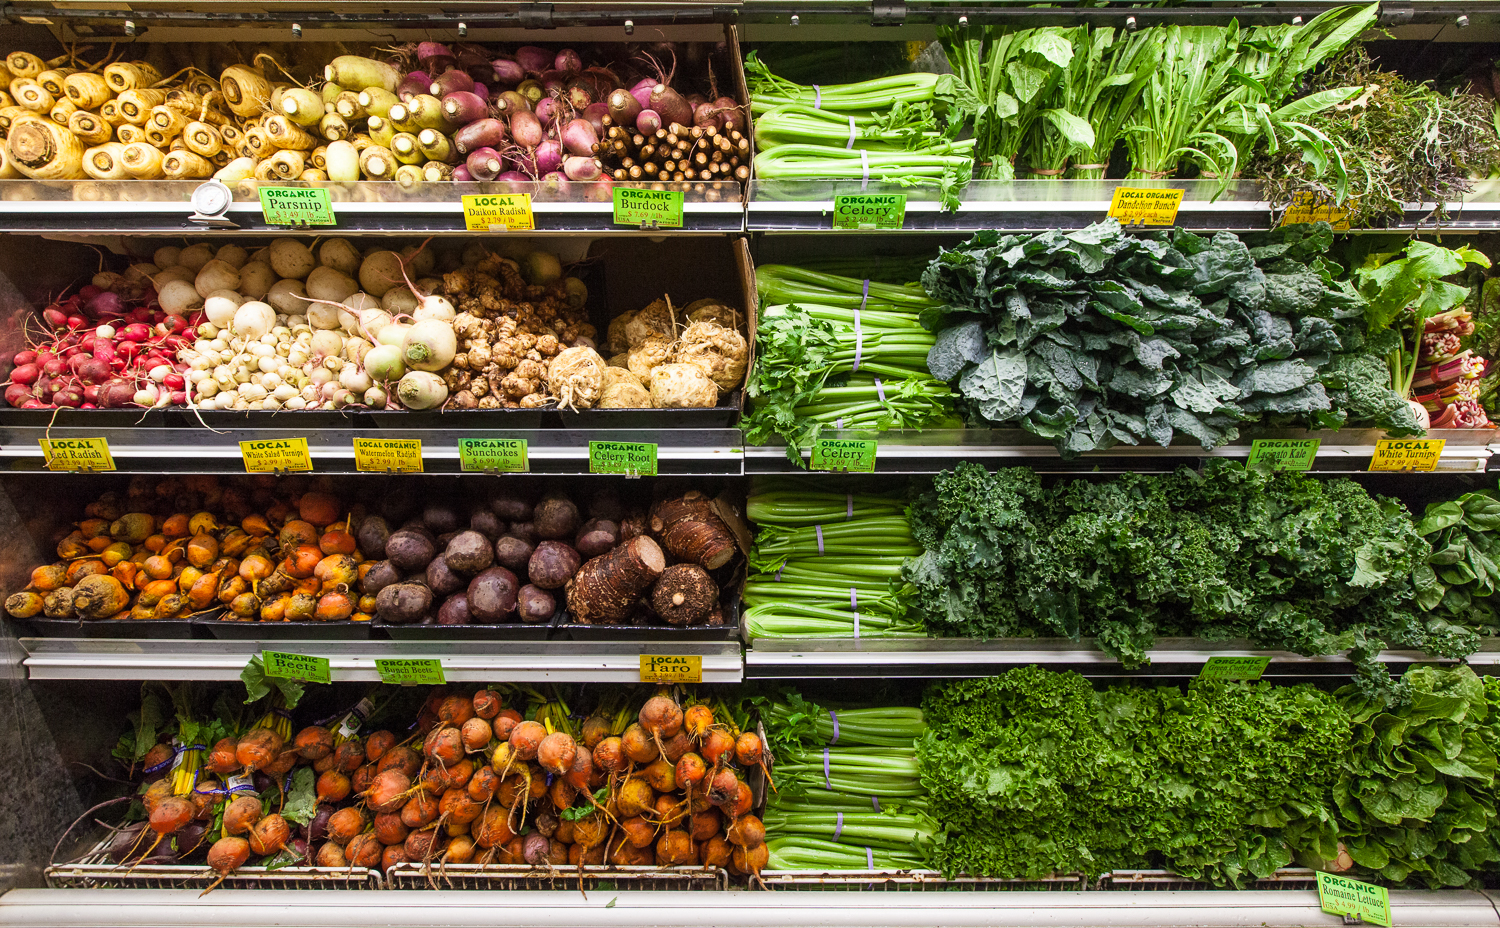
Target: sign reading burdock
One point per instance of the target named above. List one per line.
(1407, 453)
(1147, 206)
(295, 666)
(1234, 668)
(869, 211)
(1284, 453)
(410, 671)
(492, 455)
(267, 456)
(851, 454)
(296, 206)
(665, 668)
(383, 455)
(661, 208)
(77, 454)
(634, 458)
(488, 212)
(1339, 895)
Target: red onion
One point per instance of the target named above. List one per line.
(597, 81)
(579, 138)
(534, 60)
(484, 164)
(105, 303)
(568, 60)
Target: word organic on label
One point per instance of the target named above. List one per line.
(296, 206)
(295, 666)
(488, 212)
(661, 208)
(636, 459)
(1284, 453)
(76, 454)
(410, 671)
(869, 211)
(1407, 453)
(661, 668)
(1307, 206)
(1147, 206)
(1234, 668)
(1339, 895)
(499, 455)
(851, 454)
(388, 454)
(270, 455)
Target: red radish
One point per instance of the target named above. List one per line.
(484, 164)
(507, 71)
(567, 61)
(453, 81)
(526, 129)
(462, 107)
(26, 373)
(534, 60)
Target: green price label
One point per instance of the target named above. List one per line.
(1234, 668)
(410, 671)
(493, 455)
(1339, 895)
(869, 211)
(1284, 453)
(633, 458)
(661, 208)
(295, 666)
(851, 454)
(296, 206)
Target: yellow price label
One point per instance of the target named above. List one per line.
(1147, 206)
(665, 668)
(1407, 453)
(76, 453)
(487, 212)
(388, 454)
(1307, 207)
(270, 455)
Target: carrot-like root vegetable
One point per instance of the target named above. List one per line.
(226, 856)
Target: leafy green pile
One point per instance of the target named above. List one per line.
(1034, 772)
(1417, 796)
(1287, 561)
(1457, 584)
(1096, 338)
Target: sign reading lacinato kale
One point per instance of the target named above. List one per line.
(1098, 337)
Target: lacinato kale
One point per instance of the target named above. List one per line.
(1096, 338)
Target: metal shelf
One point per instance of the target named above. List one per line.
(922, 658)
(907, 452)
(1040, 205)
(101, 207)
(57, 908)
(354, 661)
(686, 452)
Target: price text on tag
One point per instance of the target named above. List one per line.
(388, 454)
(851, 454)
(269, 455)
(1407, 453)
(1307, 206)
(410, 671)
(869, 211)
(76, 454)
(1150, 206)
(295, 666)
(662, 668)
(296, 206)
(490, 211)
(501, 455)
(1339, 895)
(662, 208)
(1234, 668)
(637, 459)
(1284, 453)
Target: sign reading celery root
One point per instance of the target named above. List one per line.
(491, 211)
(869, 211)
(1339, 895)
(1147, 206)
(661, 208)
(660, 668)
(273, 454)
(77, 453)
(410, 671)
(296, 206)
(295, 666)
(851, 454)
(632, 458)
(1407, 453)
(388, 454)
(1284, 453)
(492, 455)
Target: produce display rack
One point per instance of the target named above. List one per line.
(522, 877)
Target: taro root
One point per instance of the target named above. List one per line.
(690, 530)
(684, 595)
(606, 588)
